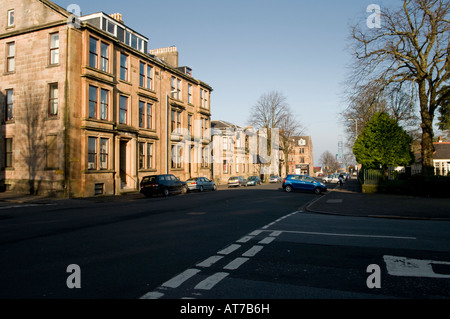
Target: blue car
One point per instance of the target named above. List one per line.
(303, 183)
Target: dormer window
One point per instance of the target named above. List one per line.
(11, 18)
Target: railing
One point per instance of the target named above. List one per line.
(371, 176)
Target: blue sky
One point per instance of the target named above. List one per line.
(246, 48)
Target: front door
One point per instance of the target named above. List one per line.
(123, 163)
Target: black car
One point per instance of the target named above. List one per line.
(165, 185)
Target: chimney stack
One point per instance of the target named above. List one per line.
(116, 16)
(168, 54)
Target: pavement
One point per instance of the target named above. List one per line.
(347, 200)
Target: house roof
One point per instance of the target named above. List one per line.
(223, 124)
(442, 151)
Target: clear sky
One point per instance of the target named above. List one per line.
(246, 48)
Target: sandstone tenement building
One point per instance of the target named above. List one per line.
(88, 109)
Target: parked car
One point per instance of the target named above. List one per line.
(275, 179)
(200, 184)
(332, 179)
(237, 181)
(303, 183)
(165, 184)
(253, 181)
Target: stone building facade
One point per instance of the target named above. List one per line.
(301, 158)
(87, 109)
(232, 156)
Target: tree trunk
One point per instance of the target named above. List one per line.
(427, 133)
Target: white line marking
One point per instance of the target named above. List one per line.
(345, 235)
(176, 281)
(211, 281)
(244, 239)
(252, 251)
(267, 240)
(152, 295)
(208, 262)
(275, 233)
(235, 264)
(229, 249)
(256, 233)
(406, 267)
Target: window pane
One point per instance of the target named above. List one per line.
(9, 105)
(104, 104)
(134, 41)
(92, 153)
(54, 42)
(54, 56)
(123, 67)
(105, 59)
(141, 74)
(53, 100)
(10, 18)
(92, 101)
(149, 116)
(93, 52)
(111, 27)
(149, 77)
(149, 155)
(123, 109)
(9, 152)
(141, 114)
(104, 153)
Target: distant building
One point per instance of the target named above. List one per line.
(300, 159)
(88, 109)
(231, 152)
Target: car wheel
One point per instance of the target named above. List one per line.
(184, 190)
(201, 188)
(166, 192)
(214, 188)
(288, 189)
(317, 191)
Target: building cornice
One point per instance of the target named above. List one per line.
(32, 29)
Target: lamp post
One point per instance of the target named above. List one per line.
(356, 137)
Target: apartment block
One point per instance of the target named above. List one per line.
(87, 108)
(300, 159)
(237, 152)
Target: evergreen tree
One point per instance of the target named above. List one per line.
(383, 143)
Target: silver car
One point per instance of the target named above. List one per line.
(275, 179)
(200, 184)
(237, 181)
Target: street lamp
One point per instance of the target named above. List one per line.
(356, 122)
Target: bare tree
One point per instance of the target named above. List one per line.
(273, 112)
(367, 100)
(329, 162)
(411, 48)
(290, 128)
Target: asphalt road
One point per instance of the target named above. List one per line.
(248, 243)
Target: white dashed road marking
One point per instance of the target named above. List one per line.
(235, 264)
(211, 281)
(178, 280)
